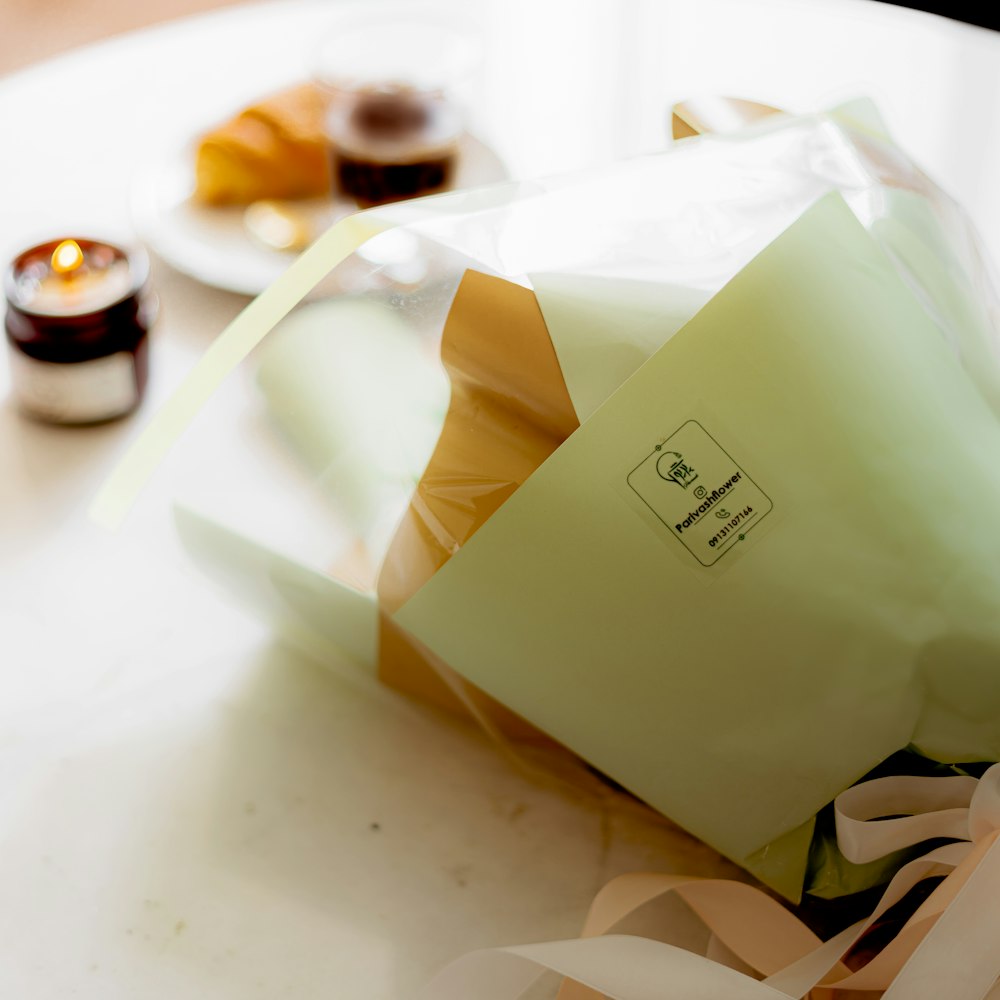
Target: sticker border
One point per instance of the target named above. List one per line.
(673, 534)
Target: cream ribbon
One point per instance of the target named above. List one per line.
(949, 949)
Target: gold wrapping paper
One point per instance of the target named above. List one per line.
(509, 411)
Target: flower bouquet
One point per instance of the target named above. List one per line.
(709, 504)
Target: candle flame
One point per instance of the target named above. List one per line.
(67, 257)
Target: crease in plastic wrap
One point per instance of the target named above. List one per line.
(795, 317)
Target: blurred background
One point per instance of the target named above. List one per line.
(985, 15)
(30, 30)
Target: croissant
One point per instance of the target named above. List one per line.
(273, 149)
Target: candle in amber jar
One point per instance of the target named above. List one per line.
(78, 316)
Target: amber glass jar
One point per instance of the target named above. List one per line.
(77, 322)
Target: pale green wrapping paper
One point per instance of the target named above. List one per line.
(735, 657)
(738, 671)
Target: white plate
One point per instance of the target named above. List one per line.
(212, 244)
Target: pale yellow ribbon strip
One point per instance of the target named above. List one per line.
(118, 494)
(949, 948)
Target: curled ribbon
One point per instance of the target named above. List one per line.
(949, 949)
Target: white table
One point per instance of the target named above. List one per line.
(188, 808)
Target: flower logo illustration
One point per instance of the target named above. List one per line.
(672, 467)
